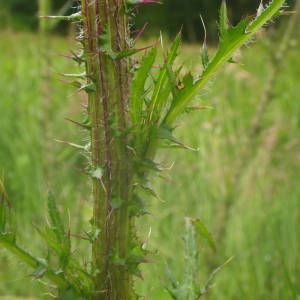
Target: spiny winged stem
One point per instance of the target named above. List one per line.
(111, 172)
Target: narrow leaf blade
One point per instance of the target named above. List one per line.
(56, 222)
(138, 86)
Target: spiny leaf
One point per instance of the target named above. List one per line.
(147, 187)
(136, 256)
(187, 84)
(8, 241)
(191, 261)
(126, 53)
(65, 256)
(157, 101)
(172, 86)
(186, 289)
(233, 38)
(138, 86)
(165, 133)
(48, 236)
(171, 278)
(63, 251)
(56, 222)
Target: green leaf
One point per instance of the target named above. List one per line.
(65, 255)
(138, 87)
(149, 190)
(136, 256)
(8, 241)
(202, 231)
(159, 98)
(48, 236)
(56, 222)
(126, 53)
(165, 133)
(171, 278)
(188, 84)
(61, 243)
(232, 39)
(186, 289)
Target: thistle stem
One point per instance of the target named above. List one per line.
(107, 108)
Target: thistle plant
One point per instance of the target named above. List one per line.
(131, 112)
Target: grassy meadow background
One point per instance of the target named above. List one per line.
(243, 182)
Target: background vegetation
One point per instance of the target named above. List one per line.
(167, 17)
(243, 183)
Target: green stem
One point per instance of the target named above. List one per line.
(107, 108)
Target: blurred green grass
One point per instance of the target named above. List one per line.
(244, 187)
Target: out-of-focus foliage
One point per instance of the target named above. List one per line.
(176, 13)
(23, 14)
(169, 16)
